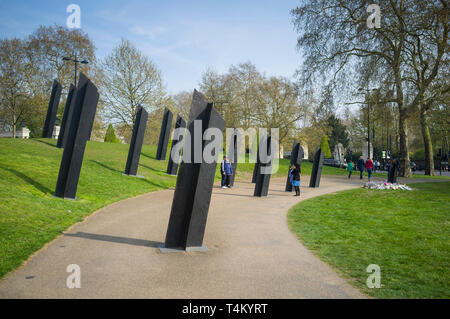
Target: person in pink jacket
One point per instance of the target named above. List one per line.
(369, 167)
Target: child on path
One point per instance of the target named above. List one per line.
(296, 178)
(350, 169)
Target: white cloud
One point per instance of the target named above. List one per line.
(151, 33)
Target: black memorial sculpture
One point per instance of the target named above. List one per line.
(316, 172)
(164, 135)
(134, 152)
(172, 167)
(79, 131)
(264, 169)
(296, 158)
(256, 168)
(67, 117)
(233, 153)
(194, 185)
(52, 110)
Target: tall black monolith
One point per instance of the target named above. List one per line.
(316, 172)
(256, 168)
(67, 117)
(134, 152)
(172, 167)
(264, 169)
(79, 131)
(52, 110)
(195, 181)
(296, 158)
(233, 153)
(164, 135)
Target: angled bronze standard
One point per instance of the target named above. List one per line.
(316, 172)
(164, 135)
(52, 110)
(296, 158)
(195, 181)
(67, 117)
(79, 132)
(264, 168)
(172, 167)
(137, 138)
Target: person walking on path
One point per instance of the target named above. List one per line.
(369, 168)
(361, 163)
(296, 171)
(226, 170)
(350, 169)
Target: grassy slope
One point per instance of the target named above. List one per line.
(31, 217)
(405, 233)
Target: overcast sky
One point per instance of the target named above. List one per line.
(183, 38)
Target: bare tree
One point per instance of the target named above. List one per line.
(129, 79)
(182, 103)
(278, 106)
(334, 36)
(13, 101)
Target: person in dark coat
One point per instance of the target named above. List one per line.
(361, 164)
(393, 169)
(296, 171)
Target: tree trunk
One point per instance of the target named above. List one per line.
(14, 126)
(405, 169)
(429, 162)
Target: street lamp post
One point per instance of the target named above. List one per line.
(76, 63)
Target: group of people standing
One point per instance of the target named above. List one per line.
(361, 165)
(392, 168)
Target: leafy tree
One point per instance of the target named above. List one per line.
(110, 136)
(338, 132)
(325, 147)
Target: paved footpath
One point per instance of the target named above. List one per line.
(252, 253)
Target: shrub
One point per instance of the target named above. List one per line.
(325, 147)
(110, 136)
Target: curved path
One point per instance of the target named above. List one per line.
(252, 252)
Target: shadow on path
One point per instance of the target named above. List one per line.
(116, 239)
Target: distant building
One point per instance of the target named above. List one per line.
(22, 132)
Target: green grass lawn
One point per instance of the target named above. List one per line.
(30, 217)
(406, 233)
